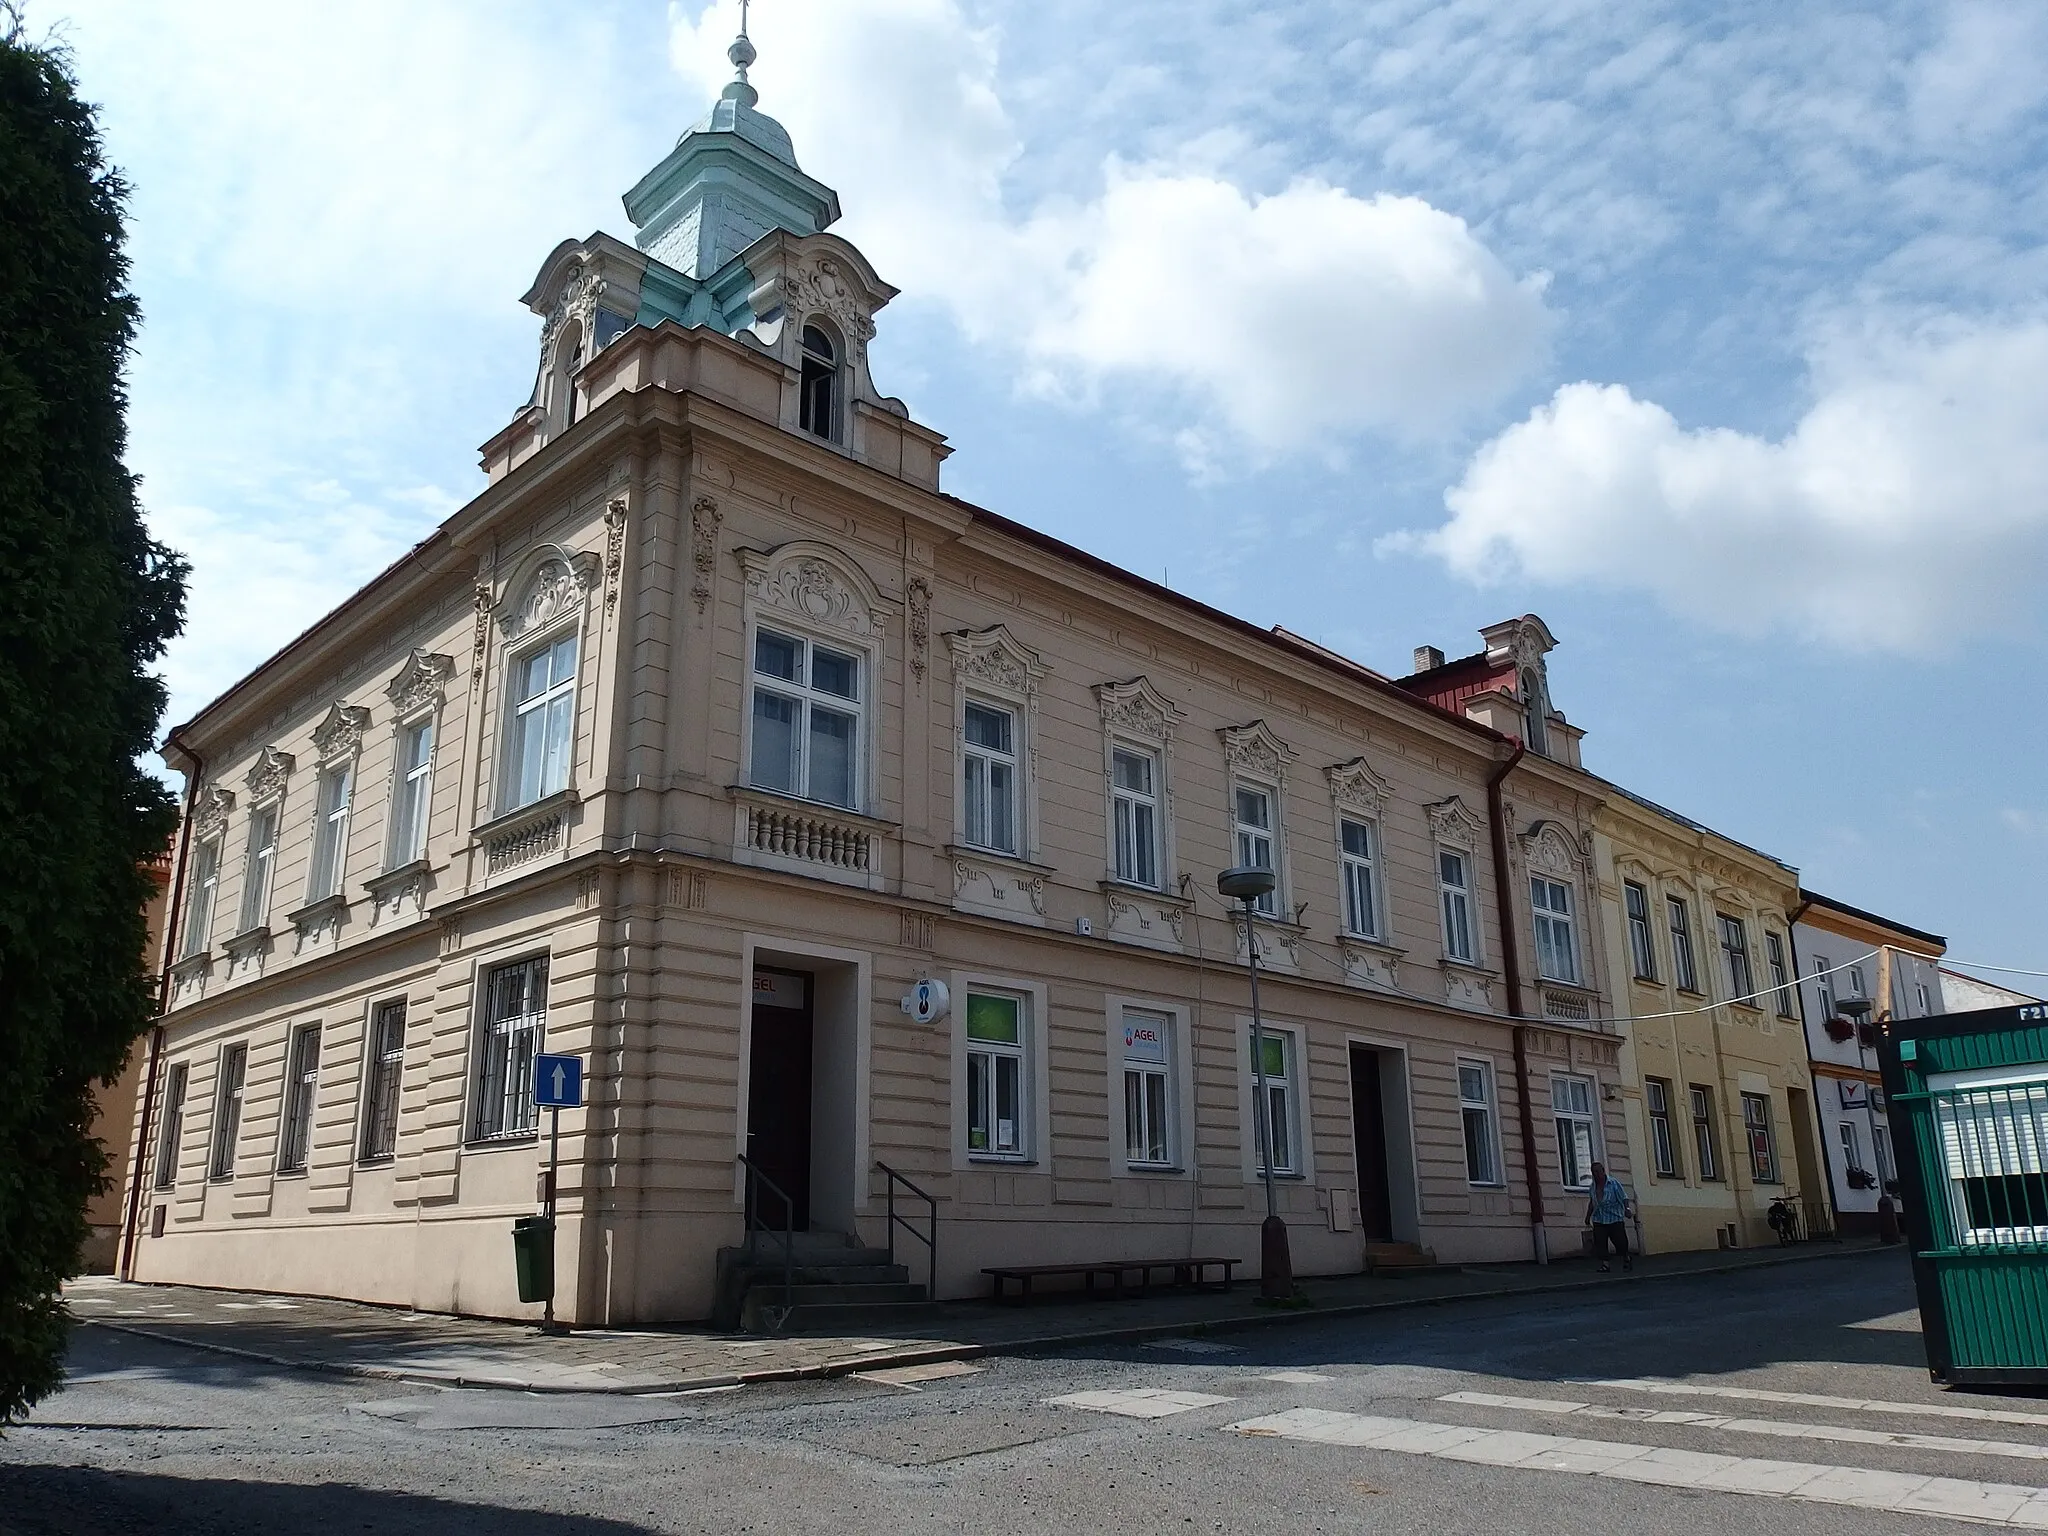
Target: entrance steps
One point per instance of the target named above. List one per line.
(1395, 1259)
(835, 1285)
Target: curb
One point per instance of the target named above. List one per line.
(938, 1351)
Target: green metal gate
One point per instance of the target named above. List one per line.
(1968, 1102)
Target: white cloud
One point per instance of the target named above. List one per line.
(1282, 318)
(1906, 510)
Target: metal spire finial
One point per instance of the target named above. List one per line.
(742, 50)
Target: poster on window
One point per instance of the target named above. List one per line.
(1144, 1040)
(1854, 1095)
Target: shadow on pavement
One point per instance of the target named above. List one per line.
(81, 1501)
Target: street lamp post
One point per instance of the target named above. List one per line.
(1248, 883)
(1861, 1012)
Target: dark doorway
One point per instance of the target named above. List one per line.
(779, 1092)
(1369, 1134)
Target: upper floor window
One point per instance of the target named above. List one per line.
(1683, 971)
(257, 867)
(330, 832)
(1134, 808)
(989, 777)
(1359, 859)
(1735, 947)
(1535, 710)
(1824, 985)
(1253, 840)
(410, 787)
(538, 749)
(1856, 984)
(199, 909)
(806, 719)
(1454, 885)
(1642, 950)
(818, 388)
(1557, 957)
(1781, 975)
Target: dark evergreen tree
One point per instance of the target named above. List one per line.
(90, 602)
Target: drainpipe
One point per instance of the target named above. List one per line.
(173, 915)
(1820, 1126)
(1511, 964)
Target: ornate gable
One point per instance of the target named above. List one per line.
(210, 818)
(1355, 785)
(1548, 849)
(341, 732)
(267, 777)
(1254, 748)
(1136, 708)
(421, 682)
(1453, 822)
(815, 584)
(548, 582)
(997, 657)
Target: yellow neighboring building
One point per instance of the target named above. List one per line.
(1718, 1095)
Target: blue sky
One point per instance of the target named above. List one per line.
(1714, 334)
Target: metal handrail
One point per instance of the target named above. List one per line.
(756, 1179)
(929, 1239)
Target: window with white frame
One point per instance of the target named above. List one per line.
(1756, 1126)
(301, 1085)
(1148, 1089)
(997, 1079)
(258, 865)
(380, 1092)
(1881, 1143)
(1683, 971)
(411, 788)
(1703, 1141)
(172, 1134)
(1781, 975)
(514, 1017)
(806, 719)
(818, 383)
(1358, 857)
(1824, 985)
(1134, 814)
(1278, 1108)
(1856, 983)
(988, 766)
(1454, 887)
(199, 908)
(330, 832)
(1642, 948)
(540, 742)
(227, 1109)
(1735, 951)
(1657, 1109)
(1852, 1145)
(1572, 1101)
(1557, 956)
(1475, 1109)
(1925, 1003)
(1252, 826)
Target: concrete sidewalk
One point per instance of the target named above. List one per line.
(384, 1343)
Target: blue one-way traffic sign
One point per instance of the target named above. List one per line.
(558, 1082)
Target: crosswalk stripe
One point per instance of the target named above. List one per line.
(1786, 1428)
(1817, 1400)
(1858, 1487)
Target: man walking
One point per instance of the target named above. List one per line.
(1607, 1214)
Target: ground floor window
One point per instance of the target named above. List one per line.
(1756, 1127)
(302, 1083)
(1278, 1106)
(515, 1011)
(227, 1110)
(1148, 1089)
(1475, 1108)
(1657, 1102)
(173, 1133)
(995, 1075)
(1702, 1100)
(380, 1095)
(1571, 1103)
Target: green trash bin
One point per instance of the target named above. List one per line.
(533, 1252)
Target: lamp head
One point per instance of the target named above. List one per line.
(1247, 882)
(1857, 1008)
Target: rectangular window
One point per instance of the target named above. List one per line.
(1279, 1102)
(409, 794)
(995, 1075)
(1663, 1150)
(1703, 1132)
(172, 1134)
(1781, 976)
(257, 867)
(1881, 1143)
(1578, 1143)
(1253, 809)
(1642, 950)
(1756, 1126)
(515, 1012)
(542, 736)
(1148, 1090)
(1475, 1108)
(1683, 971)
(227, 1110)
(1735, 951)
(1454, 884)
(806, 720)
(1134, 808)
(330, 834)
(1824, 985)
(301, 1085)
(1856, 988)
(988, 756)
(199, 910)
(1557, 957)
(1926, 1004)
(1852, 1148)
(1361, 889)
(380, 1098)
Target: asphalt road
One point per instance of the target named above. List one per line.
(1279, 1430)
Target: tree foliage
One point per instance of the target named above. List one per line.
(90, 602)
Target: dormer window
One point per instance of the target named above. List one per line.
(1535, 707)
(818, 391)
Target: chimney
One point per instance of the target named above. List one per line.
(1428, 657)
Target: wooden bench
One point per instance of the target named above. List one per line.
(1187, 1273)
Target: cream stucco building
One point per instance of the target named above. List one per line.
(712, 726)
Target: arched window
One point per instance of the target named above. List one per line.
(562, 381)
(818, 392)
(1535, 709)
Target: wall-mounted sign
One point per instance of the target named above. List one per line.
(776, 989)
(1854, 1095)
(1144, 1040)
(927, 1001)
